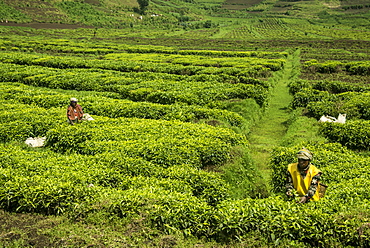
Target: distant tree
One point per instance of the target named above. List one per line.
(208, 24)
(143, 5)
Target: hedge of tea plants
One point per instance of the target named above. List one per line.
(106, 104)
(137, 89)
(172, 64)
(349, 94)
(69, 46)
(354, 134)
(165, 142)
(143, 160)
(181, 198)
(353, 68)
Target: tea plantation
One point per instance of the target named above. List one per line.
(168, 159)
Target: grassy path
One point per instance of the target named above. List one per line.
(272, 127)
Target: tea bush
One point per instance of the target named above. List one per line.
(352, 134)
(157, 91)
(164, 142)
(101, 103)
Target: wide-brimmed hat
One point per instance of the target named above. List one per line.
(74, 99)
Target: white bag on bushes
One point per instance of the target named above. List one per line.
(327, 118)
(35, 142)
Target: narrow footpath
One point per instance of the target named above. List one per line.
(271, 128)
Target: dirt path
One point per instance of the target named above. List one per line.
(272, 127)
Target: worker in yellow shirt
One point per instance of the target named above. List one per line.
(303, 177)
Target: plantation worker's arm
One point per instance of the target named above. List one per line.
(80, 112)
(289, 184)
(313, 187)
(70, 113)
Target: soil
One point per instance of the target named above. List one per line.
(24, 226)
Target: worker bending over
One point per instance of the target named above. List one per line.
(304, 177)
(74, 112)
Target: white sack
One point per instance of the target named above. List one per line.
(87, 117)
(35, 142)
(327, 118)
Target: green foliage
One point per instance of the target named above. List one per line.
(307, 95)
(352, 134)
(246, 65)
(8, 13)
(319, 103)
(109, 174)
(101, 104)
(244, 178)
(326, 97)
(151, 169)
(315, 20)
(327, 67)
(143, 5)
(156, 91)
(262, 5)
(353, 68)
(336, 87)
(301, 129)
(19, 121)
(166, 143)
(344, 171)
(297, 85)
(84, 13)
(61, 184)
(358, 68)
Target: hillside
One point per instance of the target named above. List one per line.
(267, 19)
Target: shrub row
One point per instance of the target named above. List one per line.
(69, 46)
(317, 103)
(41, 181)
(19, 121)
(157, 91)
(353, 68)
(333, 87)
(200, 60)
(107, 171)
(352, 134)
(99, 103)
(252, 68)
(163, 142)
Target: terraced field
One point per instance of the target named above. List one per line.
(196, 116)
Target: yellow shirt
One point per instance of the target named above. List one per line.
(302, 185)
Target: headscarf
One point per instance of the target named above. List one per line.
(305, 154)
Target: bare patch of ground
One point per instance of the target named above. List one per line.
(40, 231)
(25, 227)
